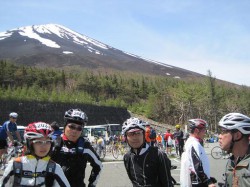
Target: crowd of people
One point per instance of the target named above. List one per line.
(55, 158)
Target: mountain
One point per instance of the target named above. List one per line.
(53, 45)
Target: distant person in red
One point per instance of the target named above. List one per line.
(169, 141)
(147, 134)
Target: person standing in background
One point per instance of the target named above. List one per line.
(178, 135)
(169, 141)
(147, 134)
(57, 132)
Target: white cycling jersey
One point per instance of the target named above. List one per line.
(187, 165)
(31, 164)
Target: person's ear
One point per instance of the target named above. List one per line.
(238, 135)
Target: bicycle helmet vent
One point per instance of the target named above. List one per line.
(37, 130)
(197, 123)
(237, 121)
(132, 123)
(76, 116)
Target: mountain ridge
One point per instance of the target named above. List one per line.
(53, 45)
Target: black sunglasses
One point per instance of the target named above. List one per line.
(75, 127)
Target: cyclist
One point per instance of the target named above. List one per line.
(31, 169)
(178, 135)
(195, 170)
(145, 164)
(233, 138)
(6, 130)
(73, 152)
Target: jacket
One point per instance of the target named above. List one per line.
(150, 167)
(195, 169)
(73, 158)
(35, 167)
(238, 174)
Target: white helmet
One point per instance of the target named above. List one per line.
(13, 115)
(132, 123)
(236, 121)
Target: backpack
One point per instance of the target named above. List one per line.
(59, 143)
(18, 173)
(152, 134)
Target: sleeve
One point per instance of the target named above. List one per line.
(185, 180)
(95, 163)
(60, 178)
(197, 164)
(8, 176)
(164, 170)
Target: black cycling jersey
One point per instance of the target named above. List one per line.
(151, 168)
(73, 158)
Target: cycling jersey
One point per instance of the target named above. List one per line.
(73, 158)
(195, 168)
(7, 126)
(33, 173)
(150, 167)
(238, 174)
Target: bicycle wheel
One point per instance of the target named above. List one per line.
(103, 153)
(216, 152)
(115, 151)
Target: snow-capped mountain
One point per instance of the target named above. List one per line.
(54, 45)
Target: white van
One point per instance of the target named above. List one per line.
(91, 132)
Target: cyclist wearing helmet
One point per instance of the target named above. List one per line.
(6, 130)
(233, 138)
(32, 169)
(73, 152)
(145, 165)
(195, 170)
(178, 136)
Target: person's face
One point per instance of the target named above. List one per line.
(135, 139)
(201, 132)
(41, 146)
(73, 131)
(13, 120)
(225, 138)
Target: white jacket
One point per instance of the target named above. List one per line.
(34, 165)
(187, 162)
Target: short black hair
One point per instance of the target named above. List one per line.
(55, 125)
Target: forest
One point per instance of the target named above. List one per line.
(162, 99)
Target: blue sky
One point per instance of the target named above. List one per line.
(191, 34)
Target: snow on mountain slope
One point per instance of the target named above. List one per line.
(56, 45)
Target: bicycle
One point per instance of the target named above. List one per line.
(100, 147)
(14, 150)
(119, 148)
(217, 152)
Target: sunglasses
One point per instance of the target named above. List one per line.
(42, 142)
(75, 127)
(137, 133)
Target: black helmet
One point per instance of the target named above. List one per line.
(75, 116)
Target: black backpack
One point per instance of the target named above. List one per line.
(152, 134)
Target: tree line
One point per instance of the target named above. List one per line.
(159, 98)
